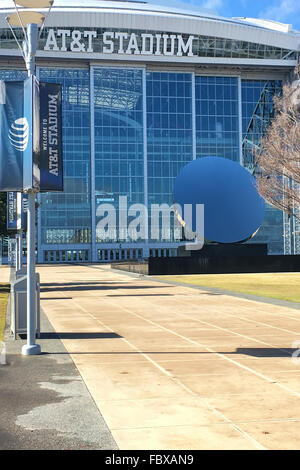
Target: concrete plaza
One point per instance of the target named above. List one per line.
(172, 367)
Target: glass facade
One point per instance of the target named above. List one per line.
(209, 46)
(169, 140)
(118, 137)
(169, 131)
(257, 111)
(217, 117)
(11, 75)
(251, 94)
(128, 132)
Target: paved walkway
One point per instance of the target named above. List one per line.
(171, 367)
(44, 401)
(4, 273)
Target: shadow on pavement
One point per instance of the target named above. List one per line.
(82, 286)
(72, 335)
(56, 298)
(265, 352)
(139, 295)
(254, 352)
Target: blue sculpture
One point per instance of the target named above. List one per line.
(233, 209)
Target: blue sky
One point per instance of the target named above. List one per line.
(285, 11)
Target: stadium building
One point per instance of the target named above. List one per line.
(146, 89)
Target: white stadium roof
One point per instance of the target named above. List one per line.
(166, 16)
(156, 6)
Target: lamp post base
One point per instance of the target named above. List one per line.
(31, 349)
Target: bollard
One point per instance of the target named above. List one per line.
(3, 354)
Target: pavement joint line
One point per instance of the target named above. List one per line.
(208, 425)
(203, 397)
(262, 323)
(185, 285)
(249, 320)
(125, 340)
(258, 322)
(230, 331)
(236, 333)
(178, 382)
(250, 297)
(213, 409)
(268, 379)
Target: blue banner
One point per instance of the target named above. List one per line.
(16, 215)
(50, 156)
(31, 136)
(12, 211)
(31, 173)
(14, 134)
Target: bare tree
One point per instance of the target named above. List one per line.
(278, 173)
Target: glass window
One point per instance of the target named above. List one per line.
(257, 111)
(218, 115)
(118, 139)
(66, 217)
(169, 132)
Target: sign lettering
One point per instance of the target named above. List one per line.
(119, 43)
(51, 137)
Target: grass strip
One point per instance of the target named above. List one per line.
(282, 286)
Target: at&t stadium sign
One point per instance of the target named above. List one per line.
(109, 42)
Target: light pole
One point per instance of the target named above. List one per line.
(31, 347)
(29, 21)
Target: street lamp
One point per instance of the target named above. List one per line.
(30, 21)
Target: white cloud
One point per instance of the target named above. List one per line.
(284, 11)
(205, 4)
(212, 4)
